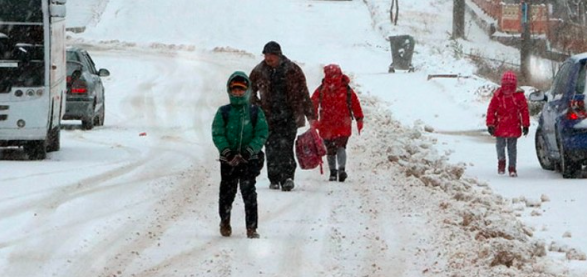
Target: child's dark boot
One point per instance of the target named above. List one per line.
(512, 171)
(501, 167)
(342, 174)
(333, 175)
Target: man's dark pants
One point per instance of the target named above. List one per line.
(279, 149)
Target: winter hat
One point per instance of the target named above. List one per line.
(239, 82)
(509, 78)
(332, 70)
(508, 83)
(333, 76)
(272, 47)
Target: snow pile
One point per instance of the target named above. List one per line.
(474, 230)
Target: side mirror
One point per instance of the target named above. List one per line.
(103, 72)
(537, 96)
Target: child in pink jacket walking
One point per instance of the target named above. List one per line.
(507, 120)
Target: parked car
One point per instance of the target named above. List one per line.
(561, 136)
(85, 91)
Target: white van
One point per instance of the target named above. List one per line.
(32, 75)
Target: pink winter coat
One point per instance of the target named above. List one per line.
(508, 109)
(334, 119)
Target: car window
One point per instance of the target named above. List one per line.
(89, 64)
(92, 63)
(561, 81)
(580, 86)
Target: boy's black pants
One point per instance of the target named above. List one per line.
(245, 174)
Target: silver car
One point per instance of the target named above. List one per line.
(85, 91)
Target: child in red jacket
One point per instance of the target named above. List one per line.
(507, 120)
(336, 104)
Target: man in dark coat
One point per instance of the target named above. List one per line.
(279, 88)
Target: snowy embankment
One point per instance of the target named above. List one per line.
(479, 232)
(474, 231)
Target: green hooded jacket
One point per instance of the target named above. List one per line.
(238, 133)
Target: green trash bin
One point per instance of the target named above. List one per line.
(402, 50)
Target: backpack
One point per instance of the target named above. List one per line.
(254, 109)
(310, 150)
(348, 99)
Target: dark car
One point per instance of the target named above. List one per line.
(561, 136)
(85, 91)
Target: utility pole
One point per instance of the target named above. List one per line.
(391, 17)
(458, 19)
(526, 44)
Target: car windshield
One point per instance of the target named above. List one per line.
(72, 66)
(71, 56)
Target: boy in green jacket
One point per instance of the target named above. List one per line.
(239, 131)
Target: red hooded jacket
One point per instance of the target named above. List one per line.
(334, 117)
(508, 109)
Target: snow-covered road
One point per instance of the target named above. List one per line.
(138, 196)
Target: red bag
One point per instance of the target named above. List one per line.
(310, 150)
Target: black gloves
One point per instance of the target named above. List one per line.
(491, 130)
(247, 153)
(525, 130)
(227, 155)
(233, 159)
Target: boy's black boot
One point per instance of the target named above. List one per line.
(333, 175)
(342, 174)
(225, 229)
(252, 233)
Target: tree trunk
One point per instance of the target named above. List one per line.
(458, 19)
(526, 47)
(396, 12)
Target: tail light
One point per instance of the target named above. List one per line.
(576, 110)
(79, 87)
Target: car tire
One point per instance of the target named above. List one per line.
(542, 152)
(101, 116)
(36, 150)
(88, 123)
(568, 168)
(97, 120)
(102, 120)
(54, 139)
